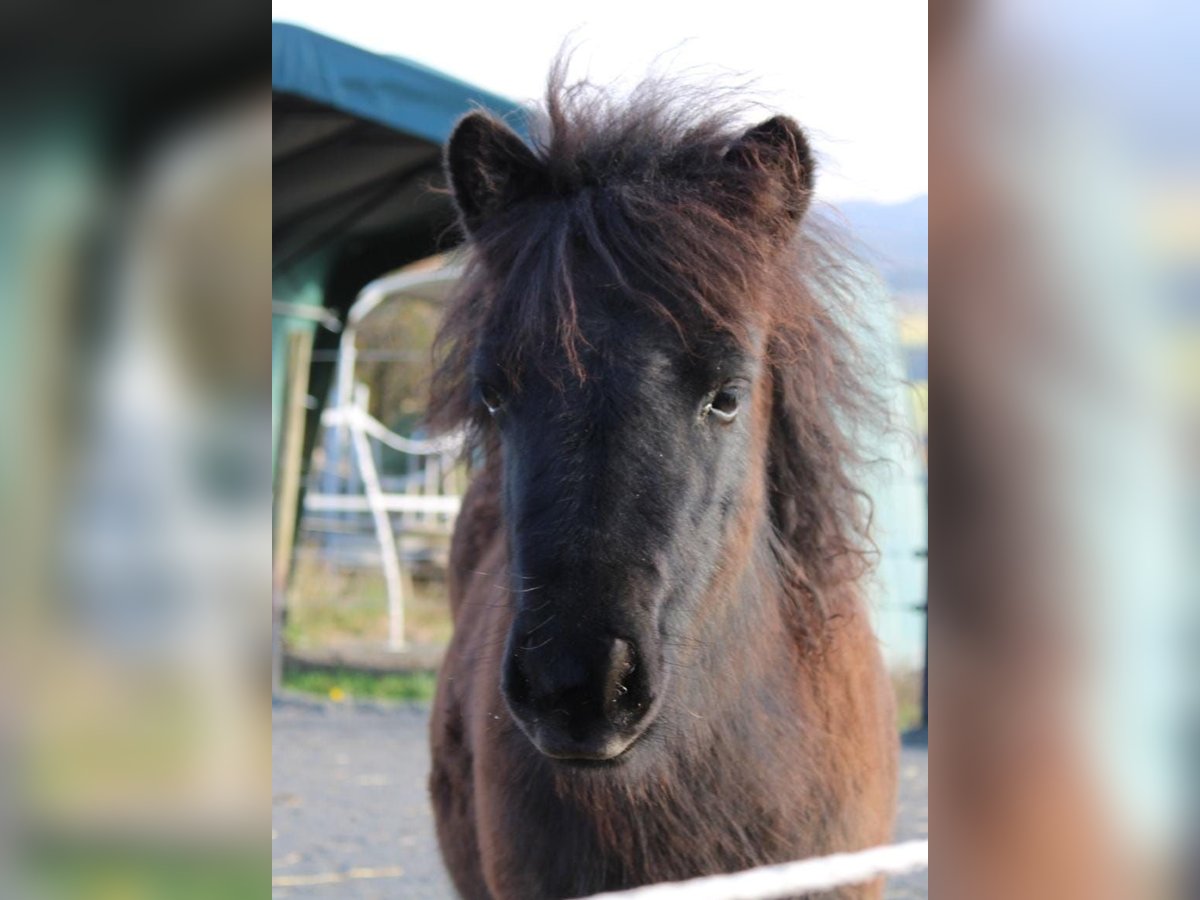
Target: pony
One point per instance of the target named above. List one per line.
(662, 664)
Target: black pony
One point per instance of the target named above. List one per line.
(662, 665)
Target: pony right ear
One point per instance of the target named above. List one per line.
(488, 167)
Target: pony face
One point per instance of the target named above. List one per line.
(621, 494)
(629, 400)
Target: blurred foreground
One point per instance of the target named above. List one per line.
(1066, 253)
(135, 494)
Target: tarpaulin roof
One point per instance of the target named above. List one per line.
(403, 95)
(356, 150)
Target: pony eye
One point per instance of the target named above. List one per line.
(491, 397)
(723, 405)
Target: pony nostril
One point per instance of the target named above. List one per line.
(516, 682)
(615, 670)
(620, 692)
(599, 689)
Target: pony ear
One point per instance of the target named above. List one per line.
(779, 150)
(488, 167)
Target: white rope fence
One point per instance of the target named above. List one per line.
(364, 421)
(822, 873)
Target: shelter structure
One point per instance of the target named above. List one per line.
(356, 167)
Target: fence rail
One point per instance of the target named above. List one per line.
(399, 503)
(822, 873)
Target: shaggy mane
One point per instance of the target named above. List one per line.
(640, 183)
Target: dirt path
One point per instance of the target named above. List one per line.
(352, 819)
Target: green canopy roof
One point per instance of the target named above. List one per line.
(356, 152)
(400, 94)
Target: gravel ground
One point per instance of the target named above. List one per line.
(352, 819)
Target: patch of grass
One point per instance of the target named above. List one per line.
(344, 684)
(328, 605)
(117, 869)
(427, 614)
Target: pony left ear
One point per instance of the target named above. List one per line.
(778, 149)
(489, 167)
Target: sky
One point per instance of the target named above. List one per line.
(853, 72)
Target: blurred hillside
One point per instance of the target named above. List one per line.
(895, 237)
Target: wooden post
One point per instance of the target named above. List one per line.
(287, 491)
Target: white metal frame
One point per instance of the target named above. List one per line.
(349, 411)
